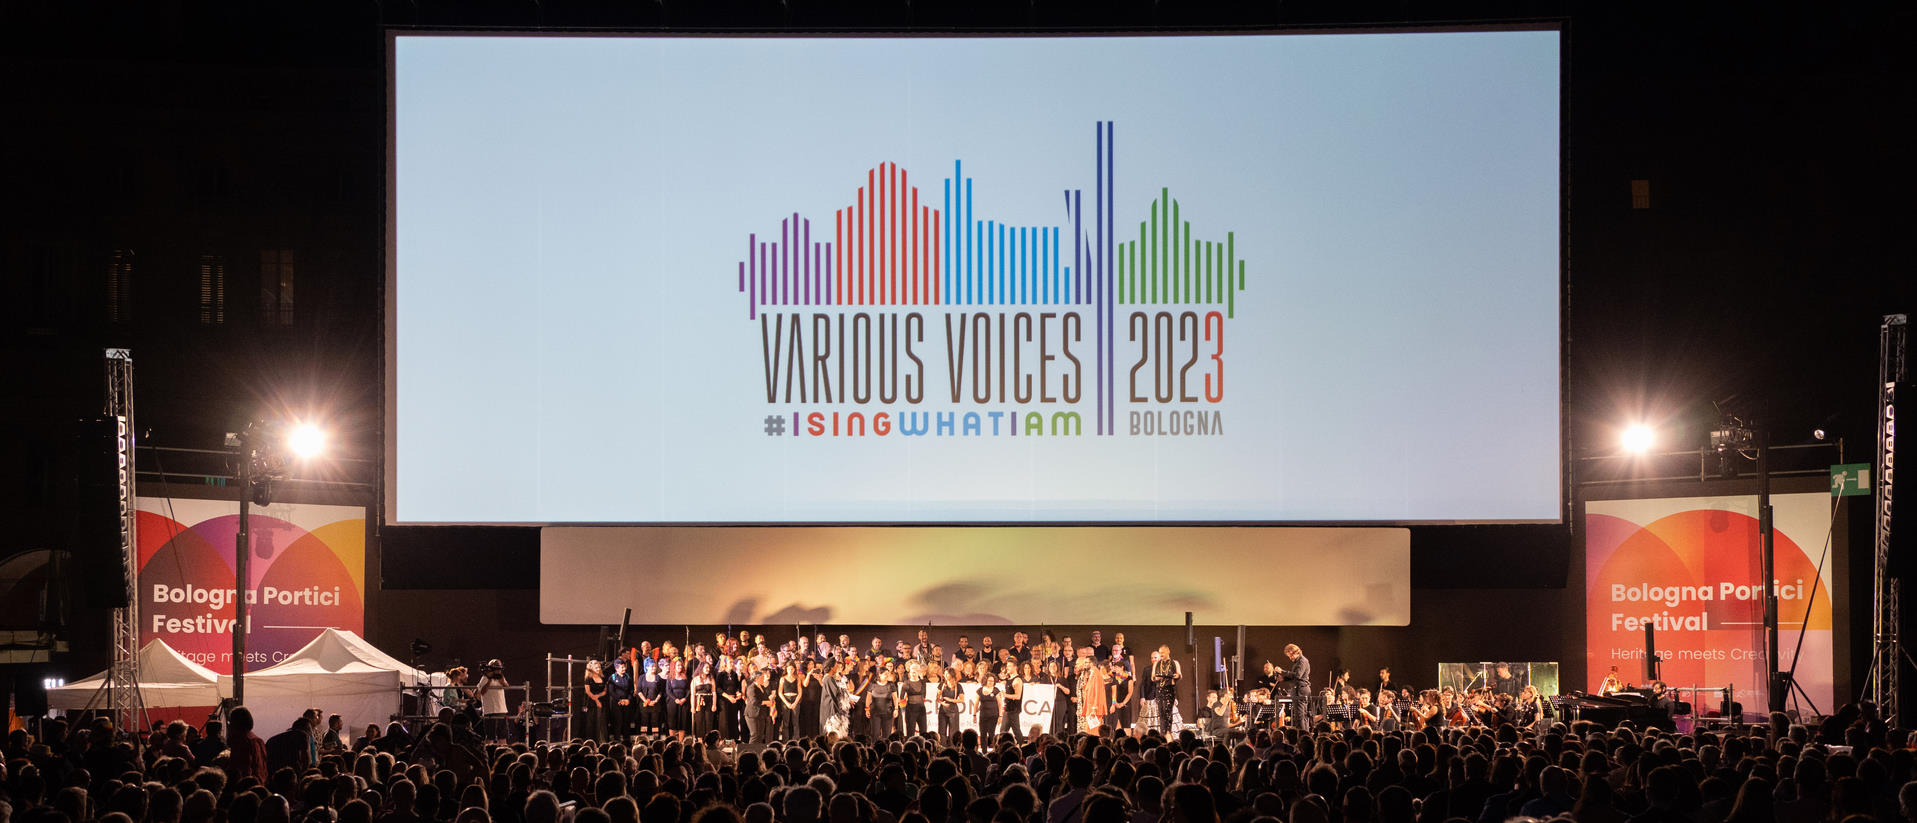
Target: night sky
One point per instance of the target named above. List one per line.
(1770, 137)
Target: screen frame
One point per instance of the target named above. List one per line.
(386, 499)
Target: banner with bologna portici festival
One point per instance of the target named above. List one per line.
(307, 573)
(1690, 568)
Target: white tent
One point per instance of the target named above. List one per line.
(338, 673)
(167, 680)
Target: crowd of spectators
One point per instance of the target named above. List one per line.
(1850, 769)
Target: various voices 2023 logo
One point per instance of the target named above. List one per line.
(907, 316)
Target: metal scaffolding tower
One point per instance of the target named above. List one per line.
(123, 675)
(1887, 650)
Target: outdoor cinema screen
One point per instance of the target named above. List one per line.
(1228, 278)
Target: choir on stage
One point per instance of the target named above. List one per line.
(747, 690)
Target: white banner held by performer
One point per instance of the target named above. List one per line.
(968, 713)
(1036, 707)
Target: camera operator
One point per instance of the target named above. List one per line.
(492, 699)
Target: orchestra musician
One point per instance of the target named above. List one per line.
(1388, 720)
(1367, 716)
(1503, 681)
(1221, 714)
(1385, 683)
(1530, 709)
(1258, 707)
(1429, 713)
(1487, 709)
(1328, 700)
(1453, 706)
(1612, 683)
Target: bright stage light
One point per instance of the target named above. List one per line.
(1637, 438)
(306, 440)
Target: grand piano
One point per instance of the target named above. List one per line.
(1608, 711)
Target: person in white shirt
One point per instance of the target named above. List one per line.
(492, 697)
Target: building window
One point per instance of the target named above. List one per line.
(120, 286)
(212, 289)
(276, 287)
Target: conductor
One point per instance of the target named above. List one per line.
(1297, 679)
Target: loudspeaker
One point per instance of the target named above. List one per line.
(1238, 656)
(1650, 653)
(1191, 640)
(94, 461)
(1889, 510)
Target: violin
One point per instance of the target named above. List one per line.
(1487, 715)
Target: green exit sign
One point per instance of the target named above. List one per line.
(1850, 480)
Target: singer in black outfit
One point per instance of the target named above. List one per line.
(951, 704)
(731, 690)
(789, 690)
(880, 705)
(914, 702)
(1064, 699)
(678, 699)
(758, 715)
(619, 700)
(988, 701)
(1014, 692)
(592, 708)
(811, 690)
(1165, 676)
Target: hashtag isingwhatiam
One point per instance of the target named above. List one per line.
(774, 425)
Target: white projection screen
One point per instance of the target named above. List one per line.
(1297, 278)
(958, 576)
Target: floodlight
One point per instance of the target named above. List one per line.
(1638, 438)
(306, 440)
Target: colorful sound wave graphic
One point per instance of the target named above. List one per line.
(891, 247)
(1165, 265)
